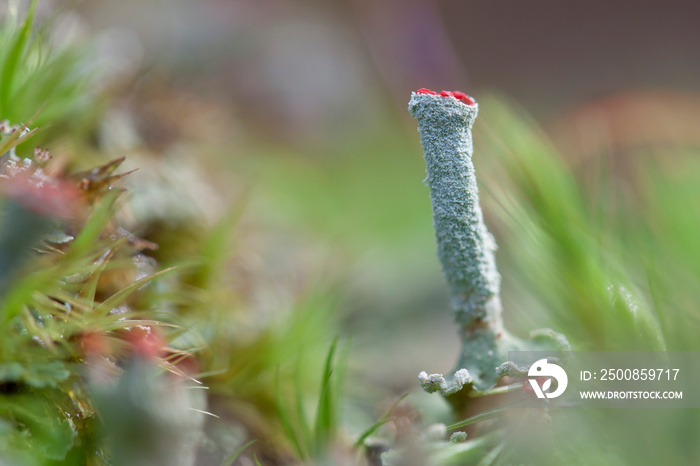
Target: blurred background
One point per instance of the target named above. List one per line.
(303, 105)
(296, 111)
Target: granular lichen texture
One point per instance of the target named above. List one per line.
(465, 246)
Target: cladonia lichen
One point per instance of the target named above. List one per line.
(436, 382)
(465, 247)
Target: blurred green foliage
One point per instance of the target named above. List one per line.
(40, 81)
(612, 262)
(573, 264)
(609, 261)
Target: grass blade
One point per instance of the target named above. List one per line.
(305, 430)
(490, 414)
(13, 56)
(361, 440)
(99, 218)
(325, 413)
(491, 457)
(382, 420)
(117, 298)
(228, 461)
(285, 419)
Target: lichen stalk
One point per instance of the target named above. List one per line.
(465, 246)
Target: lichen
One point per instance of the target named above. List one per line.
(465, 247)
(437, 382)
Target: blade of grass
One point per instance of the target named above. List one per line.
(469, 452)
(285, 419)
(325, 413)
(120, 323)
(94, 226)
(305, 430)
(495, 391)
(15, 139)
(491, 457)
(361, 440)
(23, 290)
(228, 461)
(393, 406)
(16, 51)
(490, 414)
(118, 297)
(382, 420)
(89, 290)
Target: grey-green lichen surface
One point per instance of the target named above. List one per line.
(465, 247)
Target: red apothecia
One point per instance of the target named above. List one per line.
(461, 96)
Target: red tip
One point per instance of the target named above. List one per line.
(461, 96)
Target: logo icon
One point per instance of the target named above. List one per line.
(542, 368)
